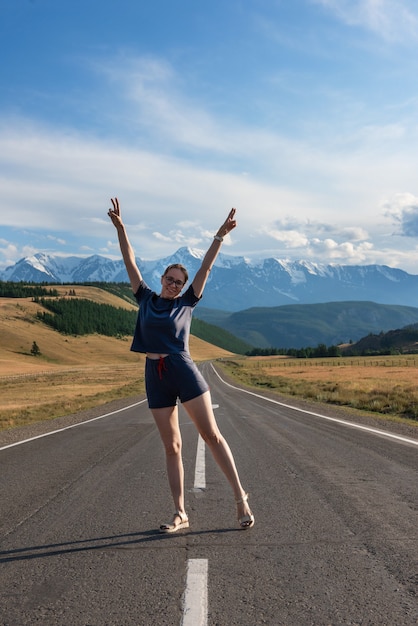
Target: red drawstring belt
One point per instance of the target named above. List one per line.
(162, 367)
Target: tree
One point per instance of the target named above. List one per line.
(35, 351)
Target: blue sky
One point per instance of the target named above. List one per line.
(302, 114)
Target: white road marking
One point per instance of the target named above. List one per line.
(200, 471)
(375, 431)
(200, 468)
(195, 604)
(53, 432)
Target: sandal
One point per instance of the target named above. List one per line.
(246, 521)
(180, 520)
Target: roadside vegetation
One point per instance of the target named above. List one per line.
(381, 385)
(30, 398)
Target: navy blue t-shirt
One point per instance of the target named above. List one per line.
(163, 324)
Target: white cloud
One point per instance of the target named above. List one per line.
(403, 209)
(178, 237)
(354, 233)
(178, 188)
(155, 103)
(294, 229)
(58, 240)
(71, 194)
(345, 251)
(323, 241)
(288, 238)
(10, 253)
(393, 20)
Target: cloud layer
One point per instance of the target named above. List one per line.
(318, 166)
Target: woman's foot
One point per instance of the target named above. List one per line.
(245, 517)
(180, 520)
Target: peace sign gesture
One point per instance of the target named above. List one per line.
(114, 213)
(228, 225)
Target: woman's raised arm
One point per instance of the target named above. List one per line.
(126, 249)
(209, 259)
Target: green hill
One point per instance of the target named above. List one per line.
(401, 340)
(302, 325)
(219, 337)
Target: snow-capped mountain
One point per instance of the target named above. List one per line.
(235, 283)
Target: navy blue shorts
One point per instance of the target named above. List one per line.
(174, 376)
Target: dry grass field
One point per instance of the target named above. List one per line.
(72, 373)
(384, 385)
(75, 373)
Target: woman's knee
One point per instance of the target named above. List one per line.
(212, 438)
(173, 448)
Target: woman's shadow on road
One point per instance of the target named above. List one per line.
(127, 541)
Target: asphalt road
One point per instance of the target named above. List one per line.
(335, 540)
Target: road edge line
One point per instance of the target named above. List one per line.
(59, 430)
(376, 431)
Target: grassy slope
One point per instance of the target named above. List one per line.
(72, 373)
(19, 329)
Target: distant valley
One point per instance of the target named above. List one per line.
(303, 325)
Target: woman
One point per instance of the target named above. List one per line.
(162, 332)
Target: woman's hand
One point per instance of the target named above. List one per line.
(228, 225)
(114, 213)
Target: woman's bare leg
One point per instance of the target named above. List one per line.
(201, 412)
(168, 425)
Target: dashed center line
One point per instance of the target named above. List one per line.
(195, 604)
(200, 468)
(200, 471)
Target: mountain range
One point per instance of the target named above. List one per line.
(236, 283)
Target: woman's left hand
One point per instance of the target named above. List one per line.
(228, 225)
